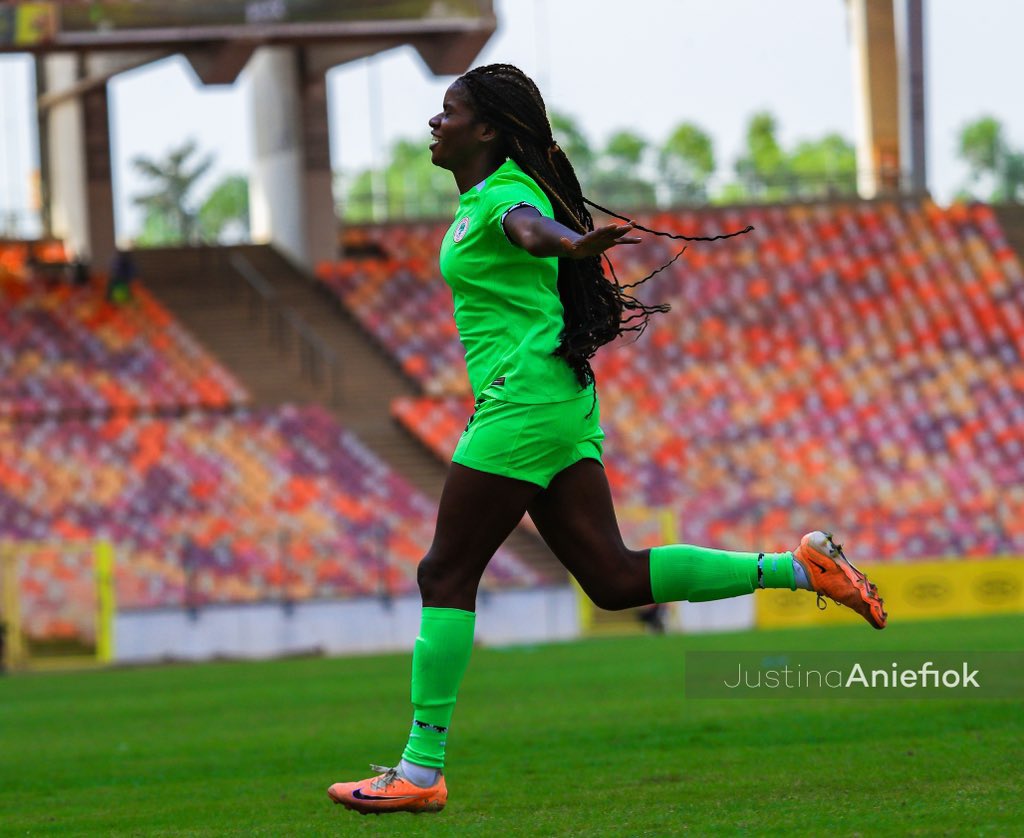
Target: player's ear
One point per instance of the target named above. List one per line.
(488, 133)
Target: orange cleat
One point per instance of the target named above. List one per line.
(832, 575)
(389, 792)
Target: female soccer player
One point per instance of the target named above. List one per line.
(532, 306)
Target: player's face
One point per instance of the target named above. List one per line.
(458, 135)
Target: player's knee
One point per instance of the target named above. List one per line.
(439, 580)
(428, 578)
(626, 587)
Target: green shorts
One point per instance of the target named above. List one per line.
(530, 441)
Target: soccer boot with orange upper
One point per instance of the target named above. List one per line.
(832, 575)
(389, 791)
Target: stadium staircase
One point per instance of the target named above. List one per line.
(202, 287)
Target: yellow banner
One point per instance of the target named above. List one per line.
(912, 591)
(34, 23)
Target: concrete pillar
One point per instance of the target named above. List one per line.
(321, 221)
(99, 189)
(876, 95)
(290, 196)
(910, 37)
(75, 147)
(61, 132)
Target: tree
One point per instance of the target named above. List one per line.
(824, 167)
(763, 169)
(686, 162)
(983, 146)
(416, 188)
(1012, 188)
(356, 204)
(576, 146)
(407, 186)
(169, 215)
(225, 207)
(625, 150)
(618, 176)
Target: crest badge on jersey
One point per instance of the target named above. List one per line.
(461, 229)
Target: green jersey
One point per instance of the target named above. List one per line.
(507, 308)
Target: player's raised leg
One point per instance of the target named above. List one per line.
(576, 517)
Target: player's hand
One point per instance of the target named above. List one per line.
(598, 241)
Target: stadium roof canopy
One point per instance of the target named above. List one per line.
(79, 46)
(446, 33)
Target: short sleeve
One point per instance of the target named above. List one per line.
(504, 197)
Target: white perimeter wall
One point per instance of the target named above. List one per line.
(331, 627)
(342, 627)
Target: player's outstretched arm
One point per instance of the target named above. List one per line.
(541, 236)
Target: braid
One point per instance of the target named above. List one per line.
(596, 309)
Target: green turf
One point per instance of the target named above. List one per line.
(587, 738)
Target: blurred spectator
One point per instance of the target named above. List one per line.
(79, 272)
(122, 275)
(652, 616)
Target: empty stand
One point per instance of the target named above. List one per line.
(66, 349)
(275, 503)
(847, 366)
(121, 426)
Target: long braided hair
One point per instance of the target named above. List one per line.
(596, 309)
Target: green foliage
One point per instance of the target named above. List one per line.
(1012, 186)
(622, 189)
(227, 203)
(983, 147)
(618, 175)
(824, 167)
(687, 161)
(571, 139)
(815, 168)
(628, 171)
(409, 186)
(625, 149)
(174, 177)
(157, 229)
(831, 155)
(242, 749)
(764, 168)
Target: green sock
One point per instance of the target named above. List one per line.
(439, 660)
(698, 574)
(777, 571)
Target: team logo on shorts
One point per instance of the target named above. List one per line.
(460, 230)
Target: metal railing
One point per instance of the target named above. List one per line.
(288, 329)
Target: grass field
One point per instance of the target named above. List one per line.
(589, 738)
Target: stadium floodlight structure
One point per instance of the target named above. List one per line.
(288, 46)
(887, 44)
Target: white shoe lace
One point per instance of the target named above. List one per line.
(386, 778)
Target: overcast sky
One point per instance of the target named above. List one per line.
(645, 65)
